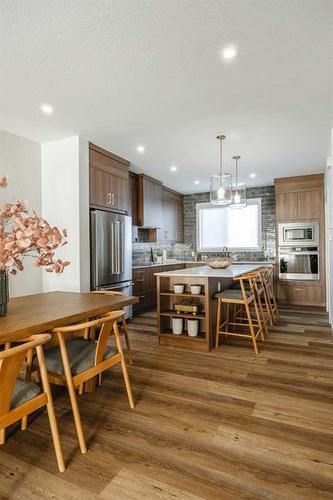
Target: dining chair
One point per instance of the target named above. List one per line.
(124, 329)
(77, 360)
(18, 398)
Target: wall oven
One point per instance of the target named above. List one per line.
(299, 263)
(300, 234)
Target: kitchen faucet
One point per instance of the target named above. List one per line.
(226, 251)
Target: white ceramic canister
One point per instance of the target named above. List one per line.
(193, 327)
(178, 288)
(195, 289)
(177, 326)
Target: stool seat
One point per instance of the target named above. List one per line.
(231, 293)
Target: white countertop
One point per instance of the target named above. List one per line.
(232, 271)
(175, 262)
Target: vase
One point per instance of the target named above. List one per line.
(4, 293)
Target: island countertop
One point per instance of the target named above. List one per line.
(232, 271)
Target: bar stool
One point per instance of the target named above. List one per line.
(267, 277)
(244, 301)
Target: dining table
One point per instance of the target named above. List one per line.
(39, 313)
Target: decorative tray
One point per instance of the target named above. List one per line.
(189, 306)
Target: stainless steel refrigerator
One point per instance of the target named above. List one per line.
(111, 253)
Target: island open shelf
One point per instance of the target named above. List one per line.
(211, 282)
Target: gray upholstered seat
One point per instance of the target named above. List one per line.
(231, 293)
(23, 391)
(81, 355)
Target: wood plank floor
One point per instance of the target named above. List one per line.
(224, 424)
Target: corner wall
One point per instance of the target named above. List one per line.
(65, 203)
(20, 159)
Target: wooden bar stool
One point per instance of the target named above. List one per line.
(243, 301)
(267, 276)
(77, 360)
(18, 399)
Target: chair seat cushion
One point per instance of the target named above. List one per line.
(81, 355)
(231, 293)
(23, 391)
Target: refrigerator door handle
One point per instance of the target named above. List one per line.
(113, 248)
(122, 249)
(117, 245)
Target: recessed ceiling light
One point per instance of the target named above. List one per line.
(253, 176)
(196, 182)
(173, 168)
(229, 52)
(140, 149)
(47, 109)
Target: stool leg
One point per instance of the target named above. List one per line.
(219, 305)
(249, 319)
(128, 345)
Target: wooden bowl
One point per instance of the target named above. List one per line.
(219, 262)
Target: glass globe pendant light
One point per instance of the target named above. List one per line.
(220, 185)
(238, 190)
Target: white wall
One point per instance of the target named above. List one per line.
(329, 231)
(65, 203)
(21, 160)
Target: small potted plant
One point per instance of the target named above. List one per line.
(25, 234)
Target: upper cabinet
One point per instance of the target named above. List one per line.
(299, 198)
(108, 180)
(172, 220)
(149, 202)
(133, 198)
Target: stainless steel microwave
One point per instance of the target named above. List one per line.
(300, 234)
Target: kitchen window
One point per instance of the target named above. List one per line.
(238, 229)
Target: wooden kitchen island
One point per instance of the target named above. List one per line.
(211, 282)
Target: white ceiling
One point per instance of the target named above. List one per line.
(128, 72)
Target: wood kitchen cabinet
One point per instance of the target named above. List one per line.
(149, 201)
(310, 204)
(301, 199)
(172, 218)
(108, 180)
(287, 206)
(133, 198)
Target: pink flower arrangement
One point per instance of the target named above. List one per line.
(23, 234)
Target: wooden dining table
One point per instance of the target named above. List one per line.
(32, 314)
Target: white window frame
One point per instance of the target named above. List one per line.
(258, 248)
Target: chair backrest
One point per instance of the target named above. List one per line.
(107, 324)
(11, 360)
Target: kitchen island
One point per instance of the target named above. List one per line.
(210, 281)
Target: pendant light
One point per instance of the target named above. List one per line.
(220, 185)
(238, 190)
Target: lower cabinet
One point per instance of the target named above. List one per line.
(144, 286)
(301, 293)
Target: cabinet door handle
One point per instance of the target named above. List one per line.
(109, 198)
(112, 197)
(299, 289)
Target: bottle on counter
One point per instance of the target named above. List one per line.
(164, 256)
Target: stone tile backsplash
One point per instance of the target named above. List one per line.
(141, 251)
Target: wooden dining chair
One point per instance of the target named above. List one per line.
(77, 360)
(18, 399)
(124, 329)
